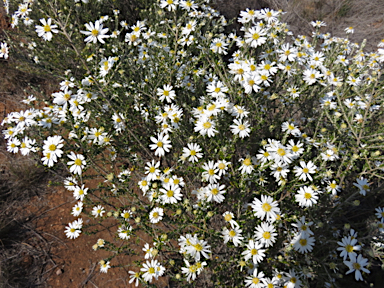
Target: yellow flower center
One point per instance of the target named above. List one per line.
(232, 233)
(357, 266)
(255, 36)
(95, 32)
(151, 270)
(254, 251)
(47, 28)
(215, 191)
(303, 242)
(307, 195)
(207, 125)
(255, 280)
(211, 107)
(266, 207)
(170, 193)
(281, 152)
(198, 247)
(247, 162)
(267, 235)
(305, 170)
(78, 162)
(349, 248)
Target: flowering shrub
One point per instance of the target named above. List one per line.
(251, 158)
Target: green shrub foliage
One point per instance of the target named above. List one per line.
(252, 158)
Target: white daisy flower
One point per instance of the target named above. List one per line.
(246, 165)
(152, 170)
(98, 211)
(255, 36)
(124, 232)
(192, 152)
(95, 32)
(306, 196)
(240, 128)
(162, 144)
(348, 247)
(156, 215)
(305, 170)
(265, 233)
(77, 164)
(205, 126)
(255, 281)
(171, 193)
(76, 210)
(47, 29)
(166, 93)
(104, 266)
(210, 173)
(357, 264)
(215, 192)
(254, 251)
(303, 243)
(234, 235)
(73, 231)
(266, 208)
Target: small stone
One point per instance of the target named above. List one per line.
(59, 271)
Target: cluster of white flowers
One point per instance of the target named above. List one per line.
(135, 118)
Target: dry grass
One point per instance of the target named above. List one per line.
(22, 248)
(367, 17)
